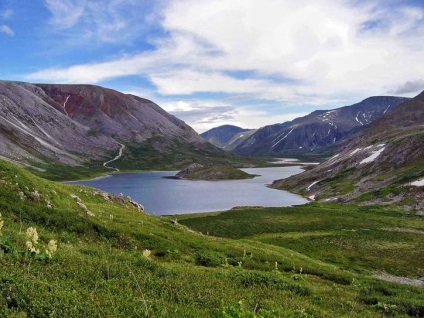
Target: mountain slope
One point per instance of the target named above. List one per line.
(377, 166)
(227, 137)
(76, 125)
(319, 132)
(33, 128)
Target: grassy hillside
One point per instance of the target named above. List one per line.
(118, 262)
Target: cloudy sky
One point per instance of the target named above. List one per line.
(212, 62)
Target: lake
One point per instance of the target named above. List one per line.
(162, 196)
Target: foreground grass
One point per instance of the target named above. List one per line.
(123, 263)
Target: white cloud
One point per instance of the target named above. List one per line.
(410, 87)
(299, 52)
(6, 14)
(6, 30)
(65, 13)
(203, 115)
(80, 22)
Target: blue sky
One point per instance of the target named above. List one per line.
(212, 62)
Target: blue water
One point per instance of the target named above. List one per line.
(161, 196)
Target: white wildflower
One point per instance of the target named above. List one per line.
(51, 248)
(31, 247)
(32, 235)
(146, 253)
(1, 223)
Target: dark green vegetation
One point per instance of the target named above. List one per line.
(149, 156)
(124, 263)
(219, 172)
(145, 156)
(61, 172)
(355, 238)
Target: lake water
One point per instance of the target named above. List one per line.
(162, 196)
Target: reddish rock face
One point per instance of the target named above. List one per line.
(86, 100)
(118, 115)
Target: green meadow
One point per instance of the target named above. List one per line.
(306, 261)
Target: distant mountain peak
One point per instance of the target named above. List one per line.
(226, 136)
(320, 132)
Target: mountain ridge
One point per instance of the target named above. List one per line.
(320, 132)
(378, 166)
(42, 125)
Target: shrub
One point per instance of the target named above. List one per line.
(209, 259)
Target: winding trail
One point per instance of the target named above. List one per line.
(116, 158)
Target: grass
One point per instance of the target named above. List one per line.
(354, 238)
(100, 269)
(339, 184)
(61, 172)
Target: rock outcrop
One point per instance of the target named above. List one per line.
(197, 171)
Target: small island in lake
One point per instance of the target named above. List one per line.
(196, 171)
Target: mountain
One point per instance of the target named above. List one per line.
(320, 132)
(227, 137)
(43, 125)
(383, 164)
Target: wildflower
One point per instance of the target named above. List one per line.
(51, 248)
(146, 253)
(31, 247)
(32, 235)
(1, 223)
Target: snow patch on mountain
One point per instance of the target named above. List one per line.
(373, 156)
(418, 183)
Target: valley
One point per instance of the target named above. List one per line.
(211, 159)
(345, 241)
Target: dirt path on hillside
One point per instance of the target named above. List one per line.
(399, 280)
(121, 150)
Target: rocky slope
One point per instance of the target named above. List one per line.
(320, 132)
(227, 137)
(384, 164)
(80, 124)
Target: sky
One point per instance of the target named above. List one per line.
(248, 63)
